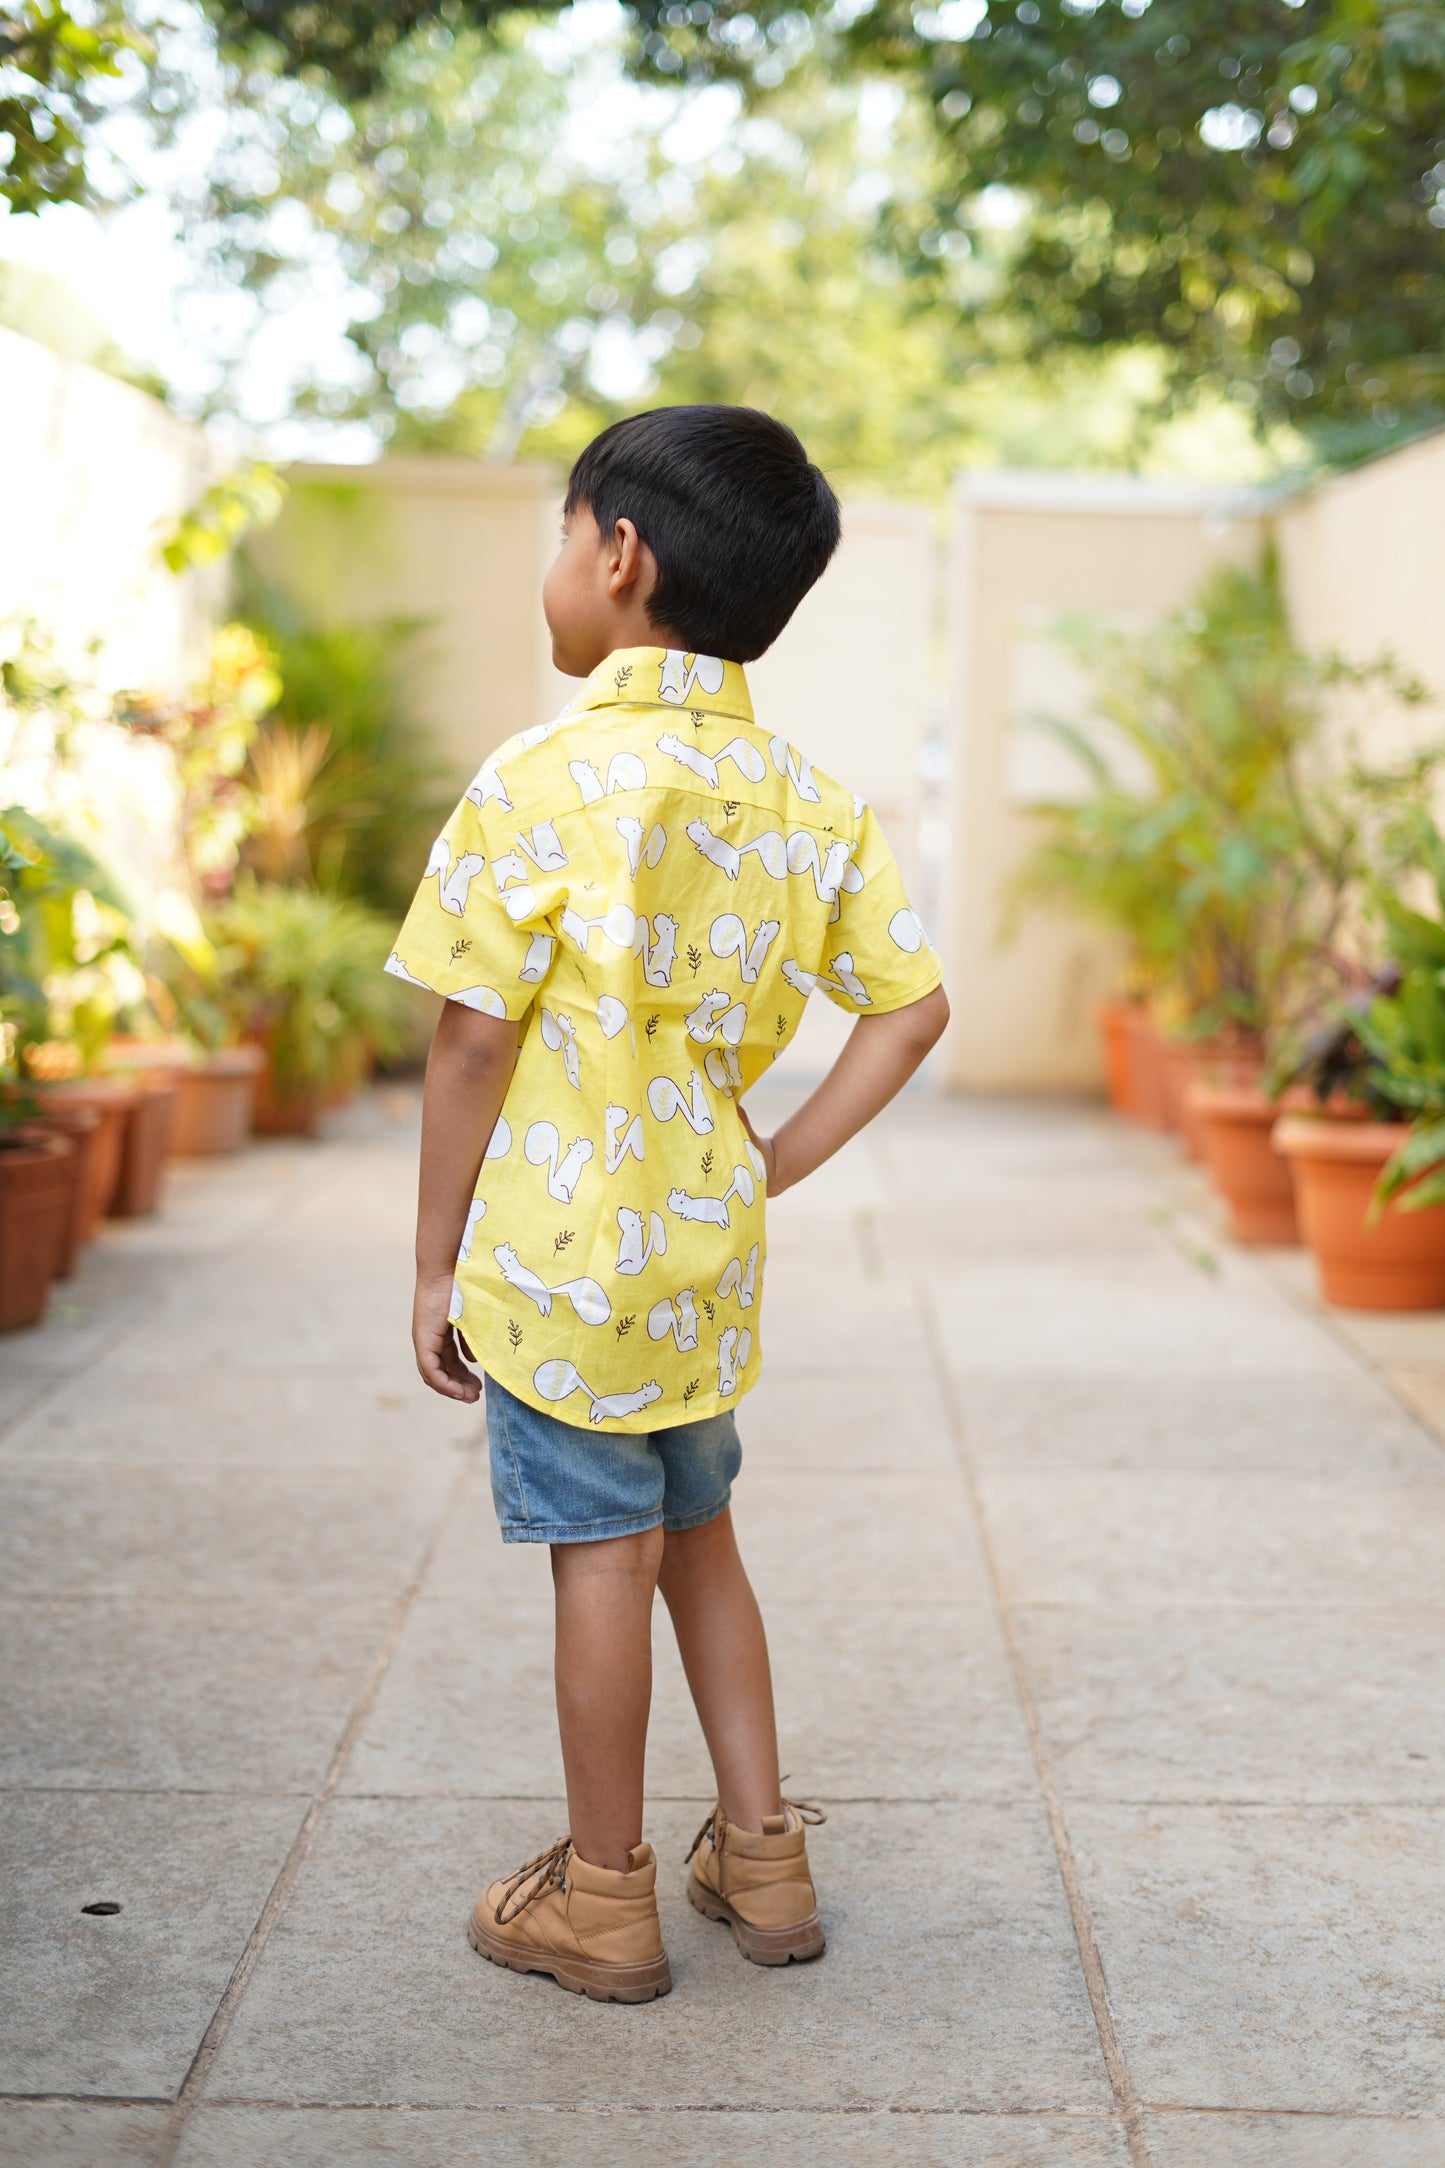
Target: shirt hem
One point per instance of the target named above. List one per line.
(700, 1409)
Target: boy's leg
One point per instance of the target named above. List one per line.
(604, 1594)
(725, 1655)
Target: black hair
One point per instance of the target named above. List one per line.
(739, 520)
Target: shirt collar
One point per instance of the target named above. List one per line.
(666, 678)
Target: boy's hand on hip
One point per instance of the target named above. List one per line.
(435, 1344)
(776, 1179)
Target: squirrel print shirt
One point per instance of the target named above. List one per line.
(652, 885)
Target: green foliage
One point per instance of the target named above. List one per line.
(350, 46)
(302, 973)
(1403, 1031)
(60, 922)
(345, 787)
(250, 497)
(1256, 189)
(1212, 833)
(52, 58)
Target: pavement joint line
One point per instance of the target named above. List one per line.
(213, 2039)
(1095, 1983)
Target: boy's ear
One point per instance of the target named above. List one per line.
(630, 566)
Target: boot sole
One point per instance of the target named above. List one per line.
(579, 1975)
(795, 1943)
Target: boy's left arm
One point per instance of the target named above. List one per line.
(467, 1073)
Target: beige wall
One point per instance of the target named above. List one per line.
(465, 545)
(1031, 549)
(92, 475)
(456, 544)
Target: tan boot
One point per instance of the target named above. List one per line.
(594, 1929)
(760, 1884)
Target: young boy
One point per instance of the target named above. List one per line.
(627, 913)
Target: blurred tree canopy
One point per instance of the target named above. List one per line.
(1255, 186)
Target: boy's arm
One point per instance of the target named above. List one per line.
(467, 1073)
(881, 1055)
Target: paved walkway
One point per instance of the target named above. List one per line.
(1105, 1587)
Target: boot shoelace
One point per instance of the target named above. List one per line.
(716, 1827)
(550, 1870)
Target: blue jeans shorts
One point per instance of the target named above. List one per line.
(555, 1483)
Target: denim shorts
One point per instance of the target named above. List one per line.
(555, 1483)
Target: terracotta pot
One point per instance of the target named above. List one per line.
(1112, 1021)
(1395, 1262)
(1235, 1121)
(145, 1149)
(1145, 1062)
(1179, 1059)
(114, 1100)
(295, 1114)
(83, 1127)
(37, 1200)
(217, 1101)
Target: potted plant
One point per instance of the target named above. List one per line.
(1369, 1162)
(300, 975)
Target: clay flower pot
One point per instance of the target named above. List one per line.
(113, 1101)
(1147, 1104)
(1235, 1121)
(1111, 1019)
(292, 1114)
(83, 1126)
(217, 1101)
(37, 1201)
(1393, 1262)
(145, 1149)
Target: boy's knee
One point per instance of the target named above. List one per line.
(632, 1558)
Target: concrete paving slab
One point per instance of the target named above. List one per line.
(1260, 1424)
(117, 2006)
(81, 2134)
(1031, 1327)
(22, 1386)
(323, 1417)
(1404, 1339)
(857, 1421)
(871, 1329)
(243, 2137)
(132, 1693)
(218, 1532)
(951, 1980)
(873, 1539)
(1294, 2141)
(1313, 1705)
(1424, 1392)
(908, 1703)
(1125, 1538)
(1283, 1958)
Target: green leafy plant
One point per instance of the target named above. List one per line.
(1213, 832)
(61, 927)
(1402, 1031)
(301, 972)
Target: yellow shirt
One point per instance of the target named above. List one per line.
(655, 884)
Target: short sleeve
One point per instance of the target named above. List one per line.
(477, 928)
(876, 955)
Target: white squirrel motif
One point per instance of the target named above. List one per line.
(740, 1279)
(484, 999)
(624, 1135)
(476, 1213)
(641, 850)
(714, 1210)
(399, 970)
(587, 1297)
(779, 856)
(844, 979)
(905, 930)
(500, 1142)
(612, 1015)
(538, 960)
(639, 1242)
(559, 1034)
(665, 1098)
(729, 937)
(675, 1314)
(487, 785)
(799, 772)
(744, 756)
(625, 771)
(717, 1013)
(454, 880)
(733, 1351)
(681, 671)
(558, 1380)
(542, 1147)
(722, 1068)
(655, 942)
(544, 848)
